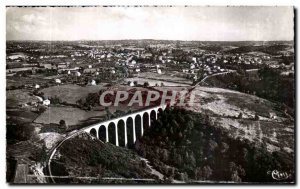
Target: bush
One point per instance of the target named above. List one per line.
(19, 132)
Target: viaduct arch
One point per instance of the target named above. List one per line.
(124, 131)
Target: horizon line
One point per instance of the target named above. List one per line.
(151, 39)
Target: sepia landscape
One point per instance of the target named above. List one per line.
(238, 126)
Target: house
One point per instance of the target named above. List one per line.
(78, 74)
(133, 62)
(192, 66)
(37, 86)
(194, 59)
(57, 81)
(131, 84)
(93, 82)
(89, 70)
(46, 102)
(49, 66)
(109, 55)
(272, 115)
(63, 65)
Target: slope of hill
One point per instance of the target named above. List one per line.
(270, 49)
(246, 116)
(188, 146)
(84, 156)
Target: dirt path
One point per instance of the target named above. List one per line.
(153, 171)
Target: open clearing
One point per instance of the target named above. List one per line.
(50, 139)
(224, 107)
(72, 116)
(70, 93)
(172, 78)
(19, 97)
(76, 116)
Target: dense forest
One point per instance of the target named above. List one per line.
(185, 146)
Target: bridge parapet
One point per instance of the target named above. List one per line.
(133, 126)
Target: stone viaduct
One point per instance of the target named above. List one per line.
(123, 131)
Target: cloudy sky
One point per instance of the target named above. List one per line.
(173, 23)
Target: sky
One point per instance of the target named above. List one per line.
(168, 23)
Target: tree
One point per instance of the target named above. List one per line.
(143, 164)
(256, 117)
(18, 131)
(108, 113)
(235, 177)
(79, 102)
(177, 159)
(63, 123)
(146, 84)
(171, 171)
(165, 156)
(240, 115)
(198, 173)
(207, 172)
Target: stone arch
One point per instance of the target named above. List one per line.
(102, 133)
(112, 133)
(138, 126)
(130, 132)
(146, 122)
(93, 132)
(152, 116)
(159, 112)
(168, 106)
(122, 138)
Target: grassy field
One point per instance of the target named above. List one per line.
(18, 97)
(72, 116)
(224, 107)
(167, 77)
(20, 81)
(223, 102)
(70, 93)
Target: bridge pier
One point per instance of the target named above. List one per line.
(142, 125)
(133, 127)
(116, 135)
(106, 131)
(97, 136)
(125, 133)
